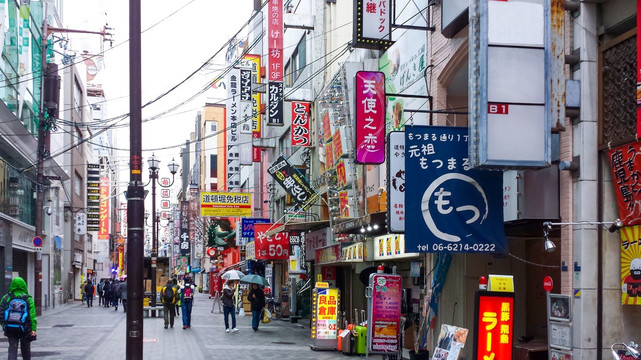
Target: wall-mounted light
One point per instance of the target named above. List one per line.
(362, 229)
(631, 348)
(547, 226)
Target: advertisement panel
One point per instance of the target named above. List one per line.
(625, 165)
(631, 265)
(396, 181)
(370, 117)
(455, 208)
(225, 204)
(275, 40)
(326, 302)
(103, 233)
(274, 247)
(275, 95)
(494, 325)
(232, 134)
(185, 250)
(384, 313)
(372, 24)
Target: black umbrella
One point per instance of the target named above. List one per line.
(364, 276)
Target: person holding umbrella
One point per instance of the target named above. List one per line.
(257, 298)
(228, 306)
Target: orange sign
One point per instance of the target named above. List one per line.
(494, 323)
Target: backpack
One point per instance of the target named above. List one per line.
(16, 315)
(188, 294)
(168, 295)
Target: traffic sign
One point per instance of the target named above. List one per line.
(37, 241)
(548, 283)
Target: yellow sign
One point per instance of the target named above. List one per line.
(630, 265)
(321, 284)
(225, 204)
(504, 283)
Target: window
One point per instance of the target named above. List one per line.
(77, 97)
(77, 184)
(214, 126)
(297, 63)
(213, 166)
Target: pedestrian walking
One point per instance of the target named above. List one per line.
(82, 291)
(106, 289)
(89, 293)
(99, 288)
(228, 306)
(19, 319)
(177, 304)
(115, 294)
(257, 298)
(123, 294)
(186, 299)
(168, 299)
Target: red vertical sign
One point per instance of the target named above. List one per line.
(103, 232)
(275, 40)
(256, 154)
(300, 124)
(625, 164)
(370, 117)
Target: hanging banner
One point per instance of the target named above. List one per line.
(294, 183)
(370, 117)
(625, 164)
(493, 325)
(453, 208)
(300, 124)
(631, 265)
(103, 233)
(384, 309)
(256, 152)
(638, 93)
(274, 247)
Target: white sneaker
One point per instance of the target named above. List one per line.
(234, 330)
(227, 330)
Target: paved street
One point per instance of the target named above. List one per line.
(77, 332)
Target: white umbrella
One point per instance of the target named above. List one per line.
(233, 275)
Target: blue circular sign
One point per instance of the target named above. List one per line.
(37, 241)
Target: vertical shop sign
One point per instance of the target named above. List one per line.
(184, 229)
(494, 325)
(245, 123)
(453, 208)
(256, 152)
(254, 60)
(631, 265)
(232, 134)
(275, 93)
(370, 117)
(103, 233)
(384, 313)
(293, 182)
(625, 163)
(275, 39)
(326, 314)
(396, 181)
(300, 124)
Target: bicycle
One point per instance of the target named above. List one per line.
(622, 351)
(274, 308)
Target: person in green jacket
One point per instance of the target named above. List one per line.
(18, 289)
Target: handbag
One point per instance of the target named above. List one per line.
(267, 317)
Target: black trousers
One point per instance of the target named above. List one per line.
(25, 347)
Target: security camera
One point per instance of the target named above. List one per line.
(48, 210)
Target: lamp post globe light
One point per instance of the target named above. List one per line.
(154, 163)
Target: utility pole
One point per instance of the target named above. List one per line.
(135, 192)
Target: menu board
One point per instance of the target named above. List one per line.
(384, 313)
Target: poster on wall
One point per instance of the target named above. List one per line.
(625, 164)
(630, 265)
(451, 341)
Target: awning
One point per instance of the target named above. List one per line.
(299, 226)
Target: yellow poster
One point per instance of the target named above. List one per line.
(630, 265)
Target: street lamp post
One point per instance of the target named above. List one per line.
(153, 163)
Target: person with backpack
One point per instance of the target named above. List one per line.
(89, 293)
(115, 293)
(186, 299)
(100, 284)
(106, 289)
(18, 319)
(229, 306)
(177, 291)
(168, 299)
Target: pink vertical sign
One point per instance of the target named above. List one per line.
(638, 92)
(275, 40)
(370, 117)
(385, 313)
